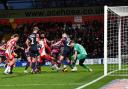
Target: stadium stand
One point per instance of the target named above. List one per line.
(89, 34)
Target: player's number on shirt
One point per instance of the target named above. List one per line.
(32, 39)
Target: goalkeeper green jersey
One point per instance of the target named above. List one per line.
(80, 49)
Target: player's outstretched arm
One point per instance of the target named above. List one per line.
(57, 43)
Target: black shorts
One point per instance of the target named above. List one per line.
(66, 52)
(3, 57)
(27, 54)
(33, 51)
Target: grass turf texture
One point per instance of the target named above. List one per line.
(104, 81)
(49, 79)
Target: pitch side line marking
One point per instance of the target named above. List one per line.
(87, 84)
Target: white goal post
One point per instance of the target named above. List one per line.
(116, 40)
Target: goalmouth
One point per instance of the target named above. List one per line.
(116, 41)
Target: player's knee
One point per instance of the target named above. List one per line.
(28, 64)
(80, 63)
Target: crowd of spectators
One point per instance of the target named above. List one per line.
(89, 34)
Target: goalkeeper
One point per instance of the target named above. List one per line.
(79, 54)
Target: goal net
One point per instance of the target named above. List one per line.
(116, 41)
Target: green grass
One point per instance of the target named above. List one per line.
(104, 81)
(49, 79)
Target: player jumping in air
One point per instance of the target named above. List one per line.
(79, 54)
(10, 54)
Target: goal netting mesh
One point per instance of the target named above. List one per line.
(116, 41)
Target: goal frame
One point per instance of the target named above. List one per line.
(106, 41)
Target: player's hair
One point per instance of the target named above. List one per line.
(36, 28)
(71, 41)
(64, 35)
(42, 36)
(15, 35)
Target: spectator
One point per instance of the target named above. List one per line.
(89, 34)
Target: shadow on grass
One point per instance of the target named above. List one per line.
(18, 74)
(14, 75)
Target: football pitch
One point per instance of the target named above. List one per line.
(50, 79)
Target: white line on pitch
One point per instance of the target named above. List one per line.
(87, 84)
(80, 87)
